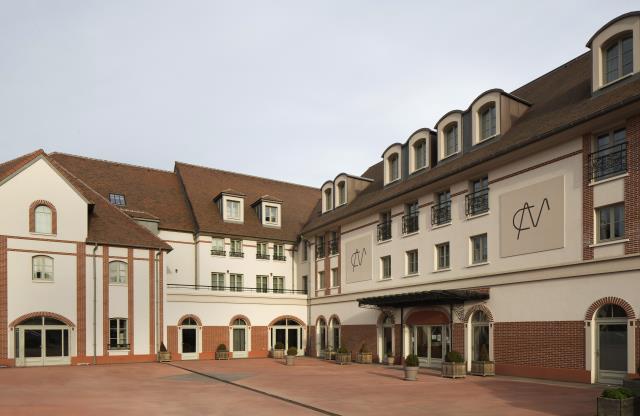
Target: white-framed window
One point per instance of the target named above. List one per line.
(305, 250)
(610, 222)
(236, 282)
(43, 220)
(118, 272)
(321, 284)
(305, 284)
(271, 215)
(42, 268)
(278, 252)
(479, 251)
(262, 284)
(278, 284)
(217, 247)
(487, 117)
(233, 209)
(420, 154)
(262, 251)
(235, 249)
(451, 139)
(385, 267)
(412, 262)
(118, 334)
(393, 162)
(617, 57)
(217, 281)
(328, 199)
(442, 256)
(342, 193)
(118, 199)
(335, 277)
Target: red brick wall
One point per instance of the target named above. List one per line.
(259, 342)
(3, 298)
(212, 336)
(638, 346)
(632, 188)
(81, 298)
(353, 336)
(457, 339)
(172, 340)
(587, 201)
(311, 342)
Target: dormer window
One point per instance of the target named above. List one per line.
(420, 154)
(117, 199)
(271, 215)
(394, 167)
(342, 193)
(618, 58)
(231, 205)
(487, 121)
(232, 208)
(328, 200)
(451, 139)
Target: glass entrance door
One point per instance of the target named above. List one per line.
(189, 343)
(288, 333)
(612, 352)
(428, 344)
(41, 344)
(240, 343)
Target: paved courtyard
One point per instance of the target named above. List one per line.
(267, 387)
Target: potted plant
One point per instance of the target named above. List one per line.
(329, 354)
(278, 350)
(343, 356)
(411, 366)
(222, 353)
(618, 401)
(454, 365)
(391, 359)
(483, 367)
(364, 356)
(164, 355)
(292, 352)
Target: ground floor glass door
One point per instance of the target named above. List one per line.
(612, 352)
(189, 343)
(239, 333)
(288, 333)
(429, 344)
(41, 342)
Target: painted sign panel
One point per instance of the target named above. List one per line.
(357, 258)
(532, 218)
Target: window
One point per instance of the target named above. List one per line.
(217, 247)
(43, 220)
(305, 250)
(42, 268)
(442, 253)
(233, 210)
(477, 201)
(488, 121)
(618, 58)
(278, 252)
(271, 214)
(451, 139)
(262, 284)
(610, 155)
(261, 251)
(236, 249)
(117, 199)
(441, 211)
(217, 281)
(236, 282)
(394, 167)
(385, 265)
(412, 262)
(420, 154)
(384, 227)
(480, 333)
(610, 222)
(305, 284)
(334, 244)
(118, 271)
(320, 252)
(278, 284)
(479, 249)
(410, 221)
(321, 280)
(342, 193)
(118, 334)
(335, 277)
(328, 200)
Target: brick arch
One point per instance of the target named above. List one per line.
(243, 317)
(32, 215)
(293, 318)
(336, 318)
(38, 314)
(476, 308)
(609, 300)
(427, 316)
(194, 317)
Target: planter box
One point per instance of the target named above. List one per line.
(390, 360)
(343, 358)
(164, 356)
(483, 368)
(277, 354)
(454, 370)
(222, 355)
(290, 359)
(364, 357)
(411, 373)
(615, 407)
(329, 355)
(632, 384)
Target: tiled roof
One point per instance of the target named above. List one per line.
(11, 166)
(560, 99)
(203, 184)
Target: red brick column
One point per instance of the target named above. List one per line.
(4, 336)
(457, 340)
(632, 187)
(587, 201)
(81, 299)
(327, 265)
(105, 301)
(152, 299)
(130, 299)
(311, 341)
(161, 297)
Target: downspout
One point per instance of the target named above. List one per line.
(197, 274)
(156, 296)
(95, 350)
(402, 335)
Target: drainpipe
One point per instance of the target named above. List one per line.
(197, 274)
(401, 334)
(95, 351)
(157, 295)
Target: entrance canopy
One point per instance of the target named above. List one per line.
(430, 297)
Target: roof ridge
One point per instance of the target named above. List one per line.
(130, 165)
(25, 156)
(246, 175)
(559, 67)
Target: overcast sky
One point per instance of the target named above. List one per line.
(292, 90)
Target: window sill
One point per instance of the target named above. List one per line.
(444, 157)
(42, 280)
(410, 234)
(615, 81)
(392, 182)
(446, 269)
(384, 241)
(421, 169)
(233, 220)
(334, 255)
(43, 234)
(484, 263)
(610, 179)
(482, 214)
(384, 279)
(435, 227)
(609, 242)
(406, 276)
(486, 139)
(119, 284)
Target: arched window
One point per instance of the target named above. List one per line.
(189, 321)
(387, 336)
(451, 139)
(322, 335)
(237, 322)
(419, 154)
(328, 199)
(42, 268)
(618, 57)
(611, 311)
(334, 330)
(394, 167)
(118, 272)
(43, 220)
(487, 115)
(342, 193)
(480, 334)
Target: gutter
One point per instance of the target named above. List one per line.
(156, 296)
(95, 351)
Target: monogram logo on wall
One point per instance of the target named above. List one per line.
(357, 259)
(525, 214)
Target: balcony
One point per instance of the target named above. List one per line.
(279, 257)
(320, 253)
(477, 202)
(384, 231)
(262, 289)
(410, 223)
(441, 213)
(216, 252)
(608, 162)
(262, 256)
(236, 254)
(113, 346)
(334, 247)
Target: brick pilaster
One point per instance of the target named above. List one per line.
(4, 338)
(327, 263)
(130, 299)
(81, 299)
(632, 187)
(587, 201)
(105, 300)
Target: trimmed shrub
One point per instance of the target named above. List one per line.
(162, 347)
(221, 348)
(292, 351)
(619, 393)
(412, 361)
(343, 350)
(278, 346)
(454, 357)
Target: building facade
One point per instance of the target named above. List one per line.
(510, 232)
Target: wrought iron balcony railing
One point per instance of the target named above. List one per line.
(334, 247)
(262, 256)
(320, 253)
(279, 257)
(441, 213)
(477, 202)
(236, 254)
(410, 223)
(384, 231)
(238, 289)
(608, 162)
(216, 252)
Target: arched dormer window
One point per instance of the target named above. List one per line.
(451, 139)
(420, 154)
(487, 117)
(42, 218)
(617, 57)
(118, 272)
(328, 199)
(42, 268)
(342, 193)
(393, 164)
